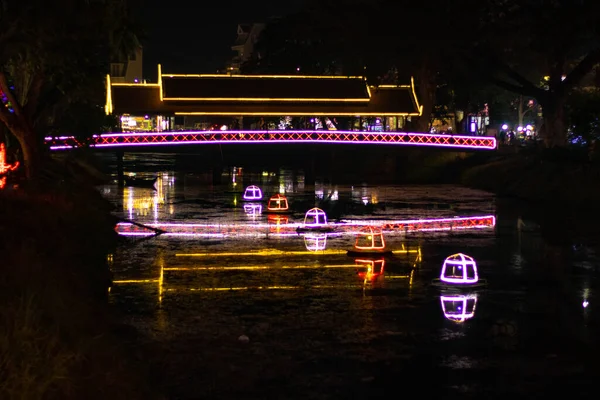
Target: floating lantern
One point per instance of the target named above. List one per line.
(277, 203)
(253, 193)
(375, 269)
(369, 240)
(315, 219)
(459, 308)
(459, 269)
(315, 242)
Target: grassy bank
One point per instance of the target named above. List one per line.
(58, 337)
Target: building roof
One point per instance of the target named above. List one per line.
(265, 88)
(262, 95)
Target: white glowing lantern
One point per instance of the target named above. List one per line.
(504, 127)
(459, 308)
(252, 192)
(277, 202)
(369, 239)
(315, 217)
(315, 242)
(459, 269)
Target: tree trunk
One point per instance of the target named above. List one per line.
(30, 148)
(555, 131)
(427, 86)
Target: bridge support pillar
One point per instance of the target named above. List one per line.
(120, 172)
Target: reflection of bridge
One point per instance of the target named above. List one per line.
(289, 229)
(159, 139)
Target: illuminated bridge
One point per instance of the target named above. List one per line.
(201, 109)
(158, 139)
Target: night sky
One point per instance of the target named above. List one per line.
(196, 37)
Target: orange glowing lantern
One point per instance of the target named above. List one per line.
(277, 203)
(370, 239)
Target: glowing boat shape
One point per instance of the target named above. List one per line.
(253, 193)
(315, 220)
(370, 242)
(278, 204)
(459, 270)
(459, 308)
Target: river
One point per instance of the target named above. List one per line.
(242, 306)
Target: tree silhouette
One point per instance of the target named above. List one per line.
(53, 54)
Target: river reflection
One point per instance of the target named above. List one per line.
(459, 307)
(311, 312)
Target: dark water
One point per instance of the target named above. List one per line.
(243, 308)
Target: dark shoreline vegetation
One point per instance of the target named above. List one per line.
(59, 338)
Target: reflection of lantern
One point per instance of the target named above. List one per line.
(374, 270)
(369, 239)
(277, 202)
(253, 209)
(315, 217)
(315, 242)
(459, 308)
(277, 219)
(459, 268)
(252, 193)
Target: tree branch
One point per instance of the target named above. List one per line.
(6, 89)
(582, 69)
(33, 95)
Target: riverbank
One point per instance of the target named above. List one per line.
(559, 190)
(59, 338)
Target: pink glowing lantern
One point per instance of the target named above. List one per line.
(369, 239)
(375, 269)
(315, 242)
(253, 192)
(277, 203)
(459, 269)
(314, 218)
(459, 308)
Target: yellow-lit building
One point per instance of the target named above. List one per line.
(261, 102)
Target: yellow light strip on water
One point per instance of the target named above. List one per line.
(137, 281)
(261, 267)
(225, 289)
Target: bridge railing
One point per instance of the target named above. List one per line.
(139, 139)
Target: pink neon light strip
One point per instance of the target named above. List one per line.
(350, 227)
(308, 136)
